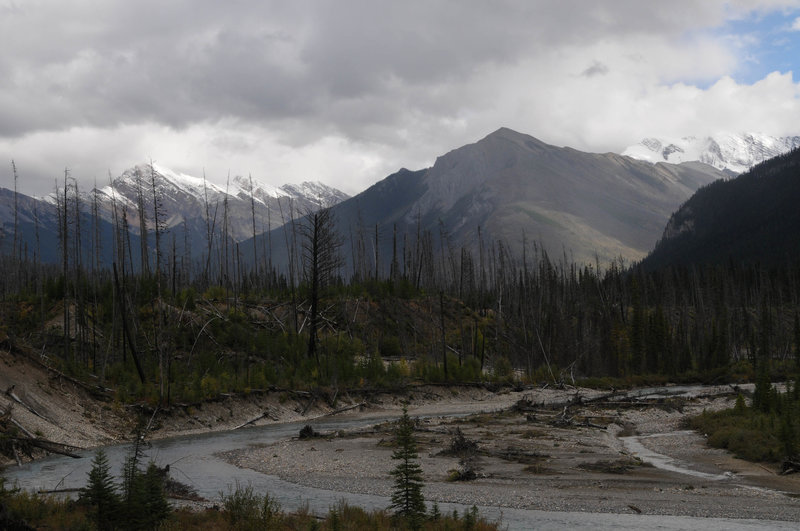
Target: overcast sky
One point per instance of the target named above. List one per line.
(347, 92)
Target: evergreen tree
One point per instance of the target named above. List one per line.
(797, 341)
(788, 431)
(146, 502)
(100, 493)
(407, 499)
(762, 396)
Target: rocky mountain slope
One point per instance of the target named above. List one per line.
(512, 187)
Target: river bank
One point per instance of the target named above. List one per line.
(525, 459)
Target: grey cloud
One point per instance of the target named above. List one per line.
(182, 62)
(596, 69)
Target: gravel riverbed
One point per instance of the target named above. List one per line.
(526, 461)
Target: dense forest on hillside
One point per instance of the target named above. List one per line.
(174, 331)
(753, 218)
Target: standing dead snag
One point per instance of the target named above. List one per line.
(321, 261)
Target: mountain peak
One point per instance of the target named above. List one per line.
(505, 133)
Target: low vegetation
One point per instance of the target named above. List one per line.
(765, 431)
(139, 502)
(242, 509)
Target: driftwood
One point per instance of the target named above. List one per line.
(790, 466)
(57, 491)
(22, 428)
(308, 406)
(343, 409)
(253, 420)
(10, 393)
(48, 446)
(517, 455)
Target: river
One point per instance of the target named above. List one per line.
(192, 461)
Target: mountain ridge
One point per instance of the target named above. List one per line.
(510, 188)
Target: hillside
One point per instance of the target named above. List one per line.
(753, 219)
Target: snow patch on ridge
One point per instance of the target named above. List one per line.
(724, 151)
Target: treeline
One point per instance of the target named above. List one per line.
(533, 319)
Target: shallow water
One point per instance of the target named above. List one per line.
(664, 462)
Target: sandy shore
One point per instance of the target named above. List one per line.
(524, 461)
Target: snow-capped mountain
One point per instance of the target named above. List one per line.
(736, 153)
(189, 209)
(186, 198)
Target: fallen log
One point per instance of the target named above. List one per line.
(253, 420)
(22, 428)
(790, 466)
(10, 393)
(308, 406)
(517, 455)
(343, 409)
(58, 491)
(49, 446)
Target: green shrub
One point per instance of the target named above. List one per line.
(502, 371)
(750, 436)
(246, 510)
(389, 347)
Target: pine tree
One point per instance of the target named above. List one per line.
(407, 499)
(101, 493)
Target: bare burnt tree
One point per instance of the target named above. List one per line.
(145, 261)
(63, 236)
(210, 228)
(78, 289)
(96, 248)
(394, 268)
(321, 261)
(253, 215)
(15, 250)
(225, 271)
(159, 225)
(39, 272)
(290, 253)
